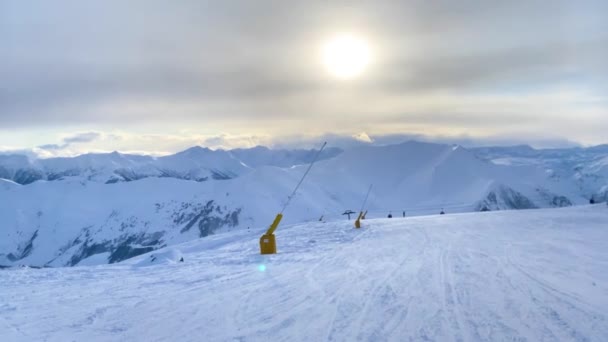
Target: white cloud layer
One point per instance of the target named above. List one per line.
(150, 69)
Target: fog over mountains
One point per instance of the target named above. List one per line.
(104, 208)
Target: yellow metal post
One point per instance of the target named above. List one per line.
(358, 220)
(361, 213)
(268, 244)
(274, 224)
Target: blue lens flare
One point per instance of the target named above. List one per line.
(262, 268)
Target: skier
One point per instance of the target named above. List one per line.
(390, 215)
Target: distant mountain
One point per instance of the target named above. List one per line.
(263, 156)
(416, 175)
(196, 163)
(585, 168)
(19, 169)
(99, 208)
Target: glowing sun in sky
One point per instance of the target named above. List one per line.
(346, 56)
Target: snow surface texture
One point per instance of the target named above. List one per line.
(534, 275)
(105, 208)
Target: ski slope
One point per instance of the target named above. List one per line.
(531, 275)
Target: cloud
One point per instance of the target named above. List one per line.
(158, 145)
(505, 69)
(363, 137)
(78, 138)
(149, 144)
(471, 67)
(350, 141)
(82, 137)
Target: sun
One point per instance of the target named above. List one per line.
(346, 56)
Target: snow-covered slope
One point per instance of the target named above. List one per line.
(422, 178)
(263, 156)
(534, 275)
(19, 169)
(82, 219)
(66, 222)
(586, 169)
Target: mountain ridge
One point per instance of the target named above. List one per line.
(79, 216)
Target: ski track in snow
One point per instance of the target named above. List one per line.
(537, 275)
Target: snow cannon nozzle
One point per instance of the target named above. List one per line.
(358, 221)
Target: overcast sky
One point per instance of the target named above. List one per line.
(158, 76)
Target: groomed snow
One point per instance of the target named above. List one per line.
(534, 275)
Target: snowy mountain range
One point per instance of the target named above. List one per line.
(587, 168)
(104, 208)
(196, 163)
